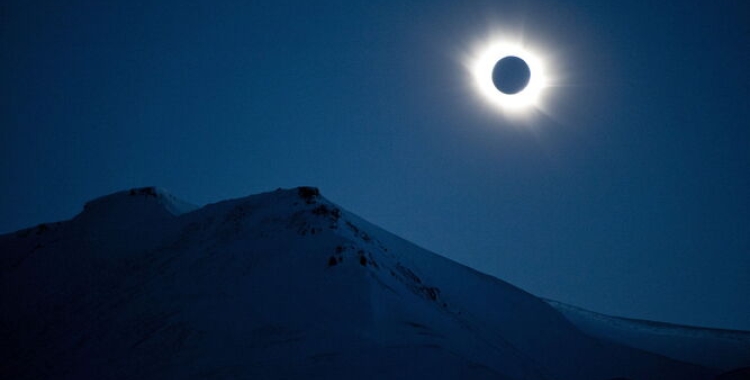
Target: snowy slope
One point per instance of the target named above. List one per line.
(278, 285)
(725, 349)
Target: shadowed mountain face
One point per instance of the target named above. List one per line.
(278, 285)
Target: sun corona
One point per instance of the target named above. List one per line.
(482, 64)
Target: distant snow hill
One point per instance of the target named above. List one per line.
(288, 285)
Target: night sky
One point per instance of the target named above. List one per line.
(626, 192)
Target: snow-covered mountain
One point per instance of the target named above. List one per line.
(283, 284)
(716, 348)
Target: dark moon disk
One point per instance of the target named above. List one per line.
(511, 75)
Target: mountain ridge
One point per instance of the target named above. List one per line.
(282, 284)
(710, 347)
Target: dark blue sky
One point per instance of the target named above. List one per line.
(631, 196)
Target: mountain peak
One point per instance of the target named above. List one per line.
(131, 220)
(128, 201)
(308, 193)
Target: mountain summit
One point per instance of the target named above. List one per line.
(284, 284)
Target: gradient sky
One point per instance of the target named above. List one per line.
(628, 195)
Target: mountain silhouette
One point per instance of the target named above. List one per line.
(279, 285)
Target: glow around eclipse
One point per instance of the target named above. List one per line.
(483, 62)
